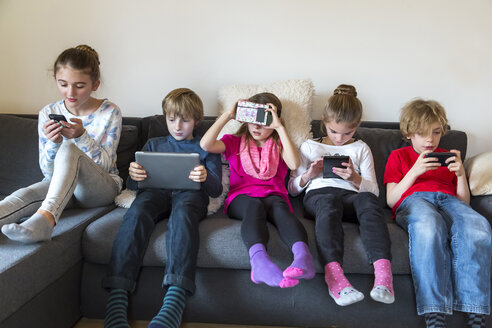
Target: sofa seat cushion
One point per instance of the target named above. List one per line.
(26, 269)
(221, 245)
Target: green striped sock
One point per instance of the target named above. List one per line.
(116, 309)
(170, 314)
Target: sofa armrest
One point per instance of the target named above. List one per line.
(483, 205)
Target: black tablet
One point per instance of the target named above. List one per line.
(329, 162)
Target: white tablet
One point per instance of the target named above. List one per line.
(168, 170)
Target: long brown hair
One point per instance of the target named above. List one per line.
(83, 58)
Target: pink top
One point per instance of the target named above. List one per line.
(241, 183)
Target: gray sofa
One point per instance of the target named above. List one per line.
(52, 284)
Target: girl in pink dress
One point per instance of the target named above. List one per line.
(259, 157)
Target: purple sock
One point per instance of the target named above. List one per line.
(263, 270)
(303, 265)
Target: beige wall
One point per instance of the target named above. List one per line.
(391, 50)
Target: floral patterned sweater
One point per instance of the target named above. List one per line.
(99, 142)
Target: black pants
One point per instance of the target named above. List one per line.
(330, 206)
(185, 209)
(256, 211)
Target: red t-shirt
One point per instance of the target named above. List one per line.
(400, 161)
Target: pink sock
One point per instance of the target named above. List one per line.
(303, 265)
(335, 279)
(382, 274)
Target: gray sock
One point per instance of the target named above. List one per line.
(36, 228)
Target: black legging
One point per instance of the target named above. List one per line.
(330, 205)
(255, 211)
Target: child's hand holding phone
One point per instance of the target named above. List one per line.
(455, 164)
(199, 174)
(136, 172)
(52, 130)
(423, 164)
(58, 127)
(345, 170)
(74, 129)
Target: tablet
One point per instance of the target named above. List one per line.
(168, 170)
(329, 162)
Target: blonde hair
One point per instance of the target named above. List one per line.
(83, 58)
(343, 106)
(418, 115)
(184, 103)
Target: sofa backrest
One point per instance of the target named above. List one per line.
(19, 153)
(129, 143)
(19, 145)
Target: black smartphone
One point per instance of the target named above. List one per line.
(441, 157)
(329, 162)
(57, 117)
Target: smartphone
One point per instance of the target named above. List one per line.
(441, 157)
(250, 112)
(329, 162)
(57, 117)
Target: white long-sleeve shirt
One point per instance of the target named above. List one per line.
(99, 141)
(359, 153)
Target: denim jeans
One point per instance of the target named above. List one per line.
(330, 206)
(75, 174)
(185, 209)
(450, 253)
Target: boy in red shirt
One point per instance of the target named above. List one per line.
(450, 243)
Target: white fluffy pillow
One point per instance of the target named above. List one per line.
(479, 173)
(296, 97)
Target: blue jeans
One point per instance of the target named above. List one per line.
(450, 253)
(185, 209)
